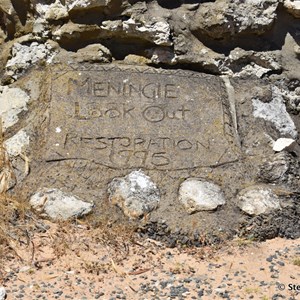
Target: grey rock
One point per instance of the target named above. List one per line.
(225, 18)
(57, 205)
(158, 31)
(56, 11)
(274, 168)
(12, 102)
(135, 194)
(2, 293)
(256, 200)
(198, 195)
(276, 113)
(17, 144)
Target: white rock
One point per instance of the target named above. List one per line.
(2, 293)
(135, 194)
(12, 102)
(74, 5)
(56, 11)
(293, 7)
(282, 144)
(24, 56)
(275, 112)
(257, 200)
(198, 195)
(17, 143)
(58, 205)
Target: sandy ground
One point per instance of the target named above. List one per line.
(77, 262)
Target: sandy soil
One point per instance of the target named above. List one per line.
(77, 262)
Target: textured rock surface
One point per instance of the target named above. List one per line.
(2, 293)
(135, 194)
(17, 144)
(58, 205)
(178, 89)
(258, 200)
(197, 195)
(12, 102)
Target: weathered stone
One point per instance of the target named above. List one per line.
(275, 112)
(198, 195)
(56, 11)
(135, 194)
(132, 59)
(93, 53)
(157, 32)
(57, 205)
(293, 7)
(12, 102)
(274, 168)
(75, 5)
(225, 18)
(120, 117)
(282, 144)
(17, 144)
(257, 200)
(24, 56)
(241, 63)
(2, 293)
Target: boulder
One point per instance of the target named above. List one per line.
(58, 205)
(199, 195)
(135, 194)
(256, 200)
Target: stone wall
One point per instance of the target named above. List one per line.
(183, 112)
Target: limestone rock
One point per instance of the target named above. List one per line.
(57, 205)
(17, 143)
(56, 11)
(75, 5)
(94, 53)
(23, 57)
(258, 200)
(225, 18)
(199, 195)
(135, 194)
(242, 63)
(274, 168)
(282, 144)
(293, 7)
(157, 32)
(132, 59)
(2, 293)
(275, 112)
(12, 102)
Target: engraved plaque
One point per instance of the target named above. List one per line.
(129, 117)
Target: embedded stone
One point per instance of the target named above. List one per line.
(13, 101)
(200, 195)
(282, 144)
(17, 144)
(58, 205)
(258, 200)
(135, 194)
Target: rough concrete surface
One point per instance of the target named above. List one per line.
(173, 89)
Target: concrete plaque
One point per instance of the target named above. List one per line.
(128, 117)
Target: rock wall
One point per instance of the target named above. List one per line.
(226, 71)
